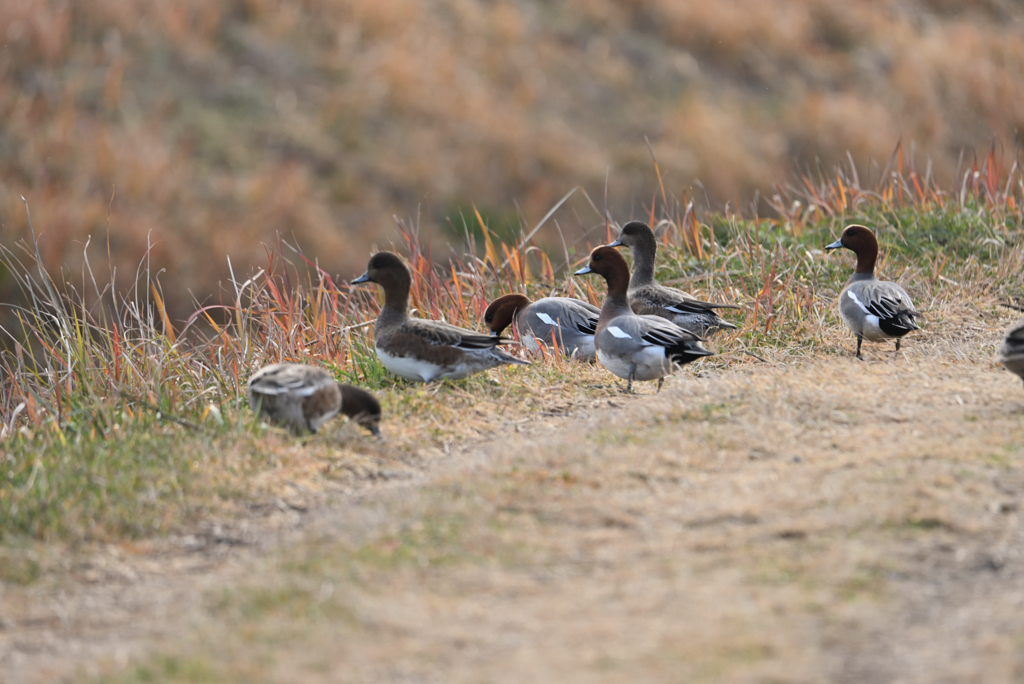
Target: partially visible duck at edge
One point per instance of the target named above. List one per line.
(1011, 355)
(647, 297)
(566, 324)
(875, 310)
(636, 347)
(424, 350)
(303, 398)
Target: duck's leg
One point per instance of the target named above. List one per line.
(661, 381)
(629, 382)
(898, 340)
(434, 385)
(860, 339)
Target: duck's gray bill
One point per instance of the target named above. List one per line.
(617, 243)
(583, 271)
(365, 278)
(835, 245)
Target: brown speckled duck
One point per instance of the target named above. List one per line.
(647, 297)
(303, 398)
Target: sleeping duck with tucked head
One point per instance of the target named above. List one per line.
(559, 322)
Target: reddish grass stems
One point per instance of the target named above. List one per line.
(82, 356)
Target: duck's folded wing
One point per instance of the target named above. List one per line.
(634, 334)
(285, 379)
(654, 330)
(444, 334)
(580, 304)
(887, 301)
(566, 313)
(649, 331)
(676, 301)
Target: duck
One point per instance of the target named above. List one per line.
(631, 346)
(303, 398)
(875, 310)
(423, 350)
(1011, 355)
(647, 297)
(569, 323)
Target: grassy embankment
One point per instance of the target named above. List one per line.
(808, 518)
(216, 126)
(120, 424)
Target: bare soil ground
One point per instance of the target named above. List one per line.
(805, 519)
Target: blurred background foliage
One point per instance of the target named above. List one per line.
(208, 128)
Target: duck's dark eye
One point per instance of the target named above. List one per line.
(488, 318)
(597, 257)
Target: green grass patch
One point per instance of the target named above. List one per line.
(427, 542)
(135, 480)
(190, 669)
(17, 566)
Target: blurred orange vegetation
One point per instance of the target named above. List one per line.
(207, 128)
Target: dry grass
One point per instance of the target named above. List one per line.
(92, 378)
(802, 520)
(126, 434)
(208, 129)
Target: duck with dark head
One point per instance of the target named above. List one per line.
(648, 297)
(303, 398)
(553, 322)
(875, 310)
(630, 346)
(423, 350)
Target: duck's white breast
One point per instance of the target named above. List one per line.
(529, 341)
(409, 367)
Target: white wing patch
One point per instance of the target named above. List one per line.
(849, 293)
(617, 332)
(545, 318)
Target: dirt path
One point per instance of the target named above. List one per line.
(808, 520)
